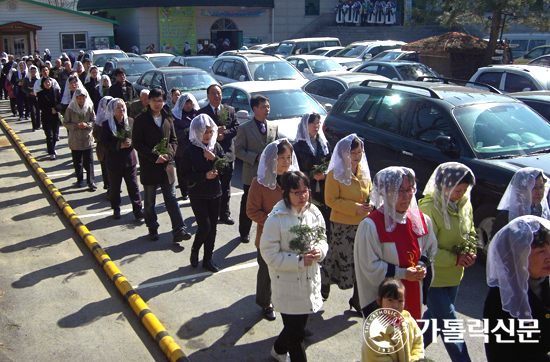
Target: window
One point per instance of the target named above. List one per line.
(428, 123)
(369, 69)
(312, 7)
(146, 80)
(72, 41)
(389, 113)
(314, 87)
(521, 45)
(300, 65)
(240, 71)
(534, 53)
(240, 101)
(157, 81)
(388, 72)
(226, 95)
(541, 107)
(353, 104)
(518, 83)
(225, 69)
(536, 43)
(491, 78)
(331, 89)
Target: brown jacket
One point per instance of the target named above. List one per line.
(79, 138)
(260, 202)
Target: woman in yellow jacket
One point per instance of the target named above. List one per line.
(347, 189)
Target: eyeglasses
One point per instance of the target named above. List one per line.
(300, 193)
(408, 191)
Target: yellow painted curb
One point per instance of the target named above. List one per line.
(149, 320)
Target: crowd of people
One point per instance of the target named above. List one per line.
(365, 12)
(321, 219)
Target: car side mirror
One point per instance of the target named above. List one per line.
(307, 71)
(444, 143)
(242, 114)
(328, 107)
(242, 78)
(526, 89)
(367, 56)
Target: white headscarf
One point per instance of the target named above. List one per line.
(517, 198)
(340, 162)
(267, 169)
(88, 105)
(178, 107)
(135, 49)
(508, 262)
(441, 185)
(101, 110)
(47, 51)
(88, 74)
(19, 74)
(197, 129)
(76, 65)
(29, 76)
(103, 77)
(303, 134)
(110, 115)
(66, 99)
(385, 193)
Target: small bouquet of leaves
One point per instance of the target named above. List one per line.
(20, 80)
(223, 117)
(54, 73)
(306, 238)
(123, 136)
(219, 165)
(81, 117)
(322, 168)
(468, 246)
(161, 148)
(430, 254)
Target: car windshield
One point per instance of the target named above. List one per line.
(413, 71)
(273, 71)
(133, 69)
(351, 51)
(387, 56)
(285, 48)
(161, 61)
(325, 65)
(317, 52)
(543, 61)
(503, 129)
(188, 81)
(290, 103)
(101, 59)
(203, 64)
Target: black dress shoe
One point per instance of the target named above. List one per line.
(78, 183)
(138, 215)
(184, 197)
(269, 314)
(245, 239)
(181, 236)
(153, 234)
(210, 265)
(92, 186)
(194, 258)
(308, 333)
(227, 220)
(116, 214)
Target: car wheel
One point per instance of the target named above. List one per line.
(484, 217)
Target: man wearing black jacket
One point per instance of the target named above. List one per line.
(150, 128)
(226, 133)
(122, 88)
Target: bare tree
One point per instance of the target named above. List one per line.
(67, 4)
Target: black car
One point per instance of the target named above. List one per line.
(134, 67)
(421, 125)
(538, 100)
(396, 69)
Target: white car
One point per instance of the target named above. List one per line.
(326, 51)
(313, 66)
(513, 78)
(288, 103)
(100, 57)
(159, 59)
(359, 51)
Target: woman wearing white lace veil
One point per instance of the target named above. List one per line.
(72, 84)
(100, 149)
(447, 202)
(197, 168)
(79, 119)
(347, 191)
(17, 80)
(184, 111)
(518, 266)
(265, 191)
(526, 194)
(393, 241)
(105, 85)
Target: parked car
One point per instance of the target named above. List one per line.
(396, 54)
(421, 125)
(159, 59)
(134, 67)
(313, 66)
(521, 43)
(266, 48)
(356, 53)
(534, 53)
(305, 45)
(327, 88)
(288, 103)
(397, 69)
(514, 78)
(326, 51)
(190, 80)
(100, 57)
(241, 67)
(542, 61)
(538, 100)
(203, 62)
(251, 41)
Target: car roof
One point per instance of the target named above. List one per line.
(130, 60)
(255, 86)
(158, 55)
(330, 48)
(177, 70)
(368, 42)
(540, 95)
(308, 57)
(349, 76)
(254, 57)
(102, 51)
(455, 95)
(535, 69)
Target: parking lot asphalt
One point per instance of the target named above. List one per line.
(57, 304)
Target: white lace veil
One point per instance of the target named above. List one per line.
(103, 77)
(517, 198)
(66, 99)
(340, 161)
(267, 169)
(29, 76)
(110, 115)
(78, 65)
(88, 105)
(385, 193)
(88, 74)
(101, 109)
(197, 129)
(440, 186)
(19, 74)
(508, 262)
(178, 108)
(303, 134)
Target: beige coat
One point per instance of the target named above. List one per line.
(79, 139)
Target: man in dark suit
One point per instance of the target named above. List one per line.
(122, 88)
(251, 139)
(150, 128)
(226, 133)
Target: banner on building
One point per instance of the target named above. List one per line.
(176, 27)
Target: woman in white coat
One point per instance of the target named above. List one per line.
(294, 269)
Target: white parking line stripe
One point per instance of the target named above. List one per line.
(53, 175)
(205, 274)
(126, 211)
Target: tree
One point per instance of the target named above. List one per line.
(66, 4)
(532, 13)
